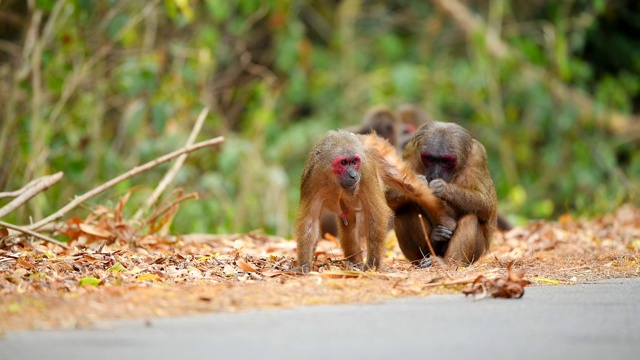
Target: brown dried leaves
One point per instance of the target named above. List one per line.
(511, 286)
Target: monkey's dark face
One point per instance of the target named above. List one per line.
(347, 169)
(438, 165)
(443, 149)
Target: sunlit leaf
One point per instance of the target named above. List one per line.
(89, 281)
(117, 267)
(147, 277)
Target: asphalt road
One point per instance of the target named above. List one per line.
(591, 321)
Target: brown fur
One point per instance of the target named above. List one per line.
(383, 122)
(467, 190)
(364, 209)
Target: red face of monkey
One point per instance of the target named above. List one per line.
(346, 169)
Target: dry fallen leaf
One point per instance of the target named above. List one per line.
(510, 287)
(245, 266)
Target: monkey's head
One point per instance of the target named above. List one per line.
(346, 167)
(383, 121)
(443, 149)
(342, 154)
(412, 117)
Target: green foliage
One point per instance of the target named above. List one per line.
(110, 85)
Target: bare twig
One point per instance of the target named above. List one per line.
(173, 171)
(168, 207)
(471, 24)
(135, 171)
(20, 191)
(464, 281)
(34, 234)
(30, 190)
(426, 237)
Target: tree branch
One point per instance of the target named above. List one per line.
(34, 234)
(173, 171)
(135, 171)
(30, 190)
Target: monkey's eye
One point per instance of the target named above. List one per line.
(354, 162)
(344, 162)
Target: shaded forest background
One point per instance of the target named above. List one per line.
(94, 88)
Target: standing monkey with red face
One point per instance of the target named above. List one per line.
(455, 167)
(347, 174)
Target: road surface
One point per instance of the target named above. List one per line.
(590, 321)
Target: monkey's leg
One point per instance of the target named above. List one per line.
(307, 230)
(348, 236)
(467, 243)
(409, 233)
(376, 232)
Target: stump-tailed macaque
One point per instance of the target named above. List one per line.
(455, 167)
(347, 174)
(383, 122)
(412, 117)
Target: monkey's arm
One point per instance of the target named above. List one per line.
(398, 176)
(473, 190)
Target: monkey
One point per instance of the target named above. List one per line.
(383, 122)
(455, 166)
(413, 117)
(348, 175)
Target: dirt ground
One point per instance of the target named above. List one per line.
(104, 276)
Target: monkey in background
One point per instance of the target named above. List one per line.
(412, 116)
(348, 174)
(455, 167)
(383, 122)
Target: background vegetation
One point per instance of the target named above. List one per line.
(93, 88)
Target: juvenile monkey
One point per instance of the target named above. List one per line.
(347, 174)
(455, 167)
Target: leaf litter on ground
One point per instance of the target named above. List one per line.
(115, 270)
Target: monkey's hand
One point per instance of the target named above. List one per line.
(438, 186)
(429, 261)
(440, 233)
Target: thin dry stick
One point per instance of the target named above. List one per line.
(464, 281)
(18, 192)
(32, 189)
(27, 187)
(168, 207)
(426, 237)
(135, 171)
(173, 171)
(34, 234)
